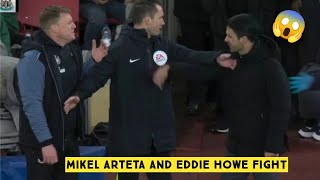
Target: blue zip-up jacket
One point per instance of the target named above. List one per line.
(39, 88)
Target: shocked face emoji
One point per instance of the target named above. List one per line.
(289, 25)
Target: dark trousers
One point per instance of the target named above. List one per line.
(244, 176)
(314, 123)
(151, 176)
(38, 171)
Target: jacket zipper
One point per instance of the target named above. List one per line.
(150, 68)
(150, 59)
(55, 83)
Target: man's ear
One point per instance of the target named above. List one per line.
(243, 39)
(54, 28)
(147, 20)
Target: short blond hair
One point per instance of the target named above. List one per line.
(51, 15)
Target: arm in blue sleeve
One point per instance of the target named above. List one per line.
(31, 79)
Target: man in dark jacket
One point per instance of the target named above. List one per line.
(141, 113)
(47, 74)
(307, 80)
(308, 87)
(256, 97)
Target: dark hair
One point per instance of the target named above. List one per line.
(142, 9)
(245, 25)
(50, 15)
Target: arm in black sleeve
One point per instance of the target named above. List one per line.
(278, 95)
(97, 77)
(180, 53)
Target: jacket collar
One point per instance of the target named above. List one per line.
(42, 38)
(253, 55)
(137, 34)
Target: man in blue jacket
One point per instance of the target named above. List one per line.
(48, 72)
(308, 79)
(142, 120)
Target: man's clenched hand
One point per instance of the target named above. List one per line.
(225, 61)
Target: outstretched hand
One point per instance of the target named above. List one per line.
(301, 82)
(71, 103)
(226, 61)
(98, 53)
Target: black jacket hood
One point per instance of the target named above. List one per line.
(264, 47)
(269, 47)
(37, 40)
